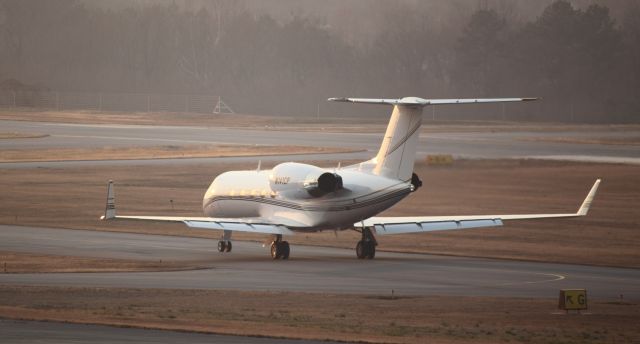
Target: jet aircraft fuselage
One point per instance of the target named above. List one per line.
(315, 198)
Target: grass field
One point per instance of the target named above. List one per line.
(362, 318)
(20, 262)
(157, 152)
(626, 141)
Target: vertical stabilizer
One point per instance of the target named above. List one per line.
(397, 153)
(398, 150)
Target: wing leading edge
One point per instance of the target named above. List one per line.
(418, 224)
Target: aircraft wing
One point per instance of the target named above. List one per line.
(251, 225)
(419, 224)
(415, 101)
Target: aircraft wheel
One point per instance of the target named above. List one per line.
(229, 246)
(371, 249)
(276, 251)
(222, 246)
(361, 251)
(285, 249)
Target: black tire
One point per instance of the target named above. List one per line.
(371, 249)
(222, 246)
(276, 251)
(285, 249)
(229, 246)
(361, 249)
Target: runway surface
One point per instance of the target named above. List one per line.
(469, 145)
(16, 331)
(310, 269)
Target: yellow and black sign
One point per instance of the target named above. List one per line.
(573, 299)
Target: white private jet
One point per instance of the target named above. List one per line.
(294, 197)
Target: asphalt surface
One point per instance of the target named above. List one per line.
(16, 331)
(468, 145)
(310, 269)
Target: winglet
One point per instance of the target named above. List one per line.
(110, 208)
(584, 208)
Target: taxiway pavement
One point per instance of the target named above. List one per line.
(18, 331)
(310, 269)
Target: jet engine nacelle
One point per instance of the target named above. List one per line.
(291, 176)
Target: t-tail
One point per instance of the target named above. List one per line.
(397, 154)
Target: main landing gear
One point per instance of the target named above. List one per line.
(279, 248)
(366, 247)
(224, 245)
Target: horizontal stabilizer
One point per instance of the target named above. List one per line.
(415, 101)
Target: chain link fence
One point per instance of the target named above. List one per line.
(131, 102)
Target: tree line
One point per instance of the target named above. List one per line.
(583, 63)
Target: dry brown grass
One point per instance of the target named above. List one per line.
(177, 119)
(368, 318)
(156, 152)
(75, 198)
(18, 262)
(613, 141)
